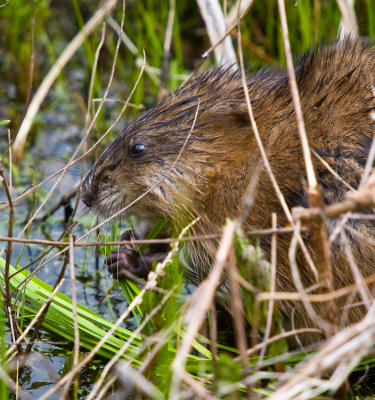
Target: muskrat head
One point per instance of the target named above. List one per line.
(179, 157)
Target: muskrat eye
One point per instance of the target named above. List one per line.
(137, 149)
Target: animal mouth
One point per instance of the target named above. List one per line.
(105, 204)
(88, 199)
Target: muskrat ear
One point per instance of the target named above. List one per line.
(232, 109)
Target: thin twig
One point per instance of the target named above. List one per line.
(202, 299)
(227, 32)
(310, 173)
(7, 294)
(237, 310)
(77, 189)
(126, 345)
(49, 79)
(35, 319)
(317, 298)
(10, 164)
(319, 229)
(363, 289)
(340, 354)
(278, 337)
(106, 387)
(164, 73)
(348, 24)
(213, 334)
(75, 316)
(272, 288)
(255, 232)
(332, 171)
(213, 17)
(264, 155)
(200, 392)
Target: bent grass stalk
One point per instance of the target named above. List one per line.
(60, 320)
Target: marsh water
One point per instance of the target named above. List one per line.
(55, 139)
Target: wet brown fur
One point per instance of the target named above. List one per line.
(218, 162)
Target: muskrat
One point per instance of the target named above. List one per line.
(180, 170)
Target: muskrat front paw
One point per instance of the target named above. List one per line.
(126, 258)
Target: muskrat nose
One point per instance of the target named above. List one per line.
(88, 198)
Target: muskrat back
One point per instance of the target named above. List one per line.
(165, 165)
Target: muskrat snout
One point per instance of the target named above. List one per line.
(88, 198)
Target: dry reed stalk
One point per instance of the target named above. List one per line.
(319, 228)
(201, 300)
(164, 73)
(33, 321)
(99, 382)
(214, 19)
(237, 308)
(10, 177)
(322, 323)
(199, 391)
(338, 357)
(272, 288)
(238, 315)
(362, 288)
(49, 79)
(264, 155)
(74, 300)
(241, 7)
(131, 378)
(213, 334)
(76, 346)
(255, 232)
(227, 32)
(317, 298)
(7, 295)
(77, 189)
(332, 171)
(348, 24)
(110, 243)
(105, 388)
(281, 336)
(362, 199)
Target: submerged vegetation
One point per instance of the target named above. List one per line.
(69, 84)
